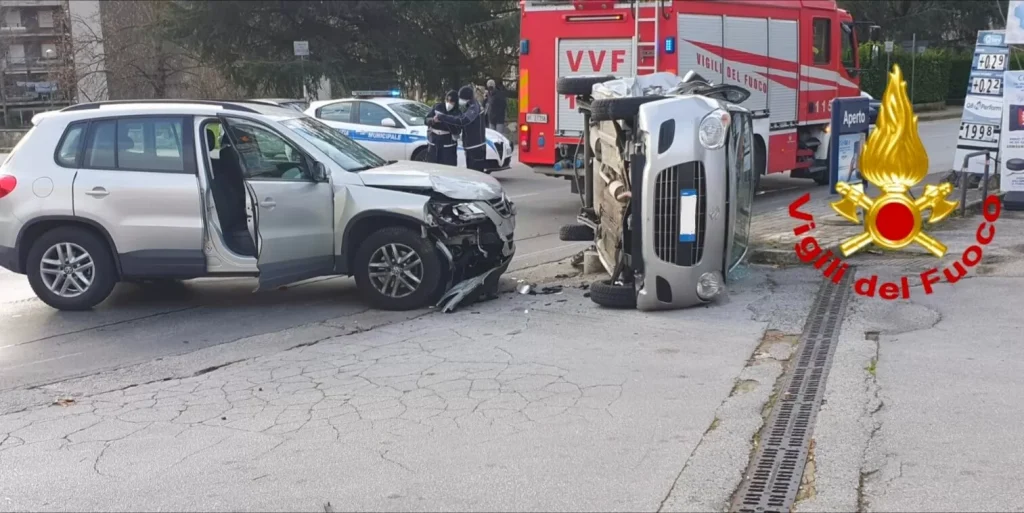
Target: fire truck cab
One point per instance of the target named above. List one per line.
(794, 56)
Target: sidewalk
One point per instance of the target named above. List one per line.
(923, 402)
(772, 237)
(526, 402)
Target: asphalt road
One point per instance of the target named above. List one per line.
(39, 345)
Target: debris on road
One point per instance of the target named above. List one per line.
(64, 401)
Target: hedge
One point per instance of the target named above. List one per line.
(938, 75)
(929, 73)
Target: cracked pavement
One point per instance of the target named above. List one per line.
(521, 403)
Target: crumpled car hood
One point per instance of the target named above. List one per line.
(456, 183)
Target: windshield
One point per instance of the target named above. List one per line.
(413, 113)
(348, 154)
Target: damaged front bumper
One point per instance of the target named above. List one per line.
(477, 240)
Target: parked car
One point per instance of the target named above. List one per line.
(288, 103)
(669, 184)
(395, 128)
(103, 192)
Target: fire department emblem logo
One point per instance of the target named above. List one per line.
(894, 160)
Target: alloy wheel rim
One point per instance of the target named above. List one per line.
(67, 270)
(396, 270)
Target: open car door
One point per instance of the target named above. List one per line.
(294, 204)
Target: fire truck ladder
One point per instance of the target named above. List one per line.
(638, 45)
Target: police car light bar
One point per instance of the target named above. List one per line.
(395, 93)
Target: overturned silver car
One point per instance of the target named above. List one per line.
(668, 186)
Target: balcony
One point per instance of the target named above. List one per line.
(30, 65)
(27, 30)
(33, 3)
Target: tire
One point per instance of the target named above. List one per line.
(420, 155)
(580, 86)
(821, 179)
(429, 271)
(102, 275)
(607, 294)
(576, 233)
(611, 109)
(760, 164)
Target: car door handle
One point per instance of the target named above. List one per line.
(268, 203)
(97, 192)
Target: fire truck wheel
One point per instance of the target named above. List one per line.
(580, 86)
(611, 109)
(608, 294)
(576, 233)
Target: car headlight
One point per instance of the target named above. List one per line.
(709, 286)
(713, 129)
(457, 188)
(457, 213)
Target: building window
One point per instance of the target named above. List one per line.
(822, 40)
(12, 18)
(45, 18)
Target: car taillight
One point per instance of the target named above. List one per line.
(7, 184)
(524, 137)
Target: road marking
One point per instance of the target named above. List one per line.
(37, 362)
(571, 244)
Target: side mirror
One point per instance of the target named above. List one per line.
(853, 72)
(319, 172)
(388, 122)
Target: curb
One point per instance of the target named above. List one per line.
(787, 256)
(939, 117)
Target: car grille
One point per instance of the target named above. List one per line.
(499, 148)
(667, 187)
(501, 205)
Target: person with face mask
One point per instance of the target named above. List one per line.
(442, 138)
(472, 124)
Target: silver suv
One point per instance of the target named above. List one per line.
(125, 191)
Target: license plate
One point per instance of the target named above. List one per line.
(979, 132)
(986, 85)
(536, 118)
(688, 215)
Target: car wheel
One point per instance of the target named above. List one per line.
(397, 269)
(606, 293)
(71, 269)
(576, 233)
(580, 86)
(420, 155)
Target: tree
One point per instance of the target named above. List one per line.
(943, 23)
(126, 43)
(421, 46)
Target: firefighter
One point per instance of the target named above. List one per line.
(472, 124)
(442, 138)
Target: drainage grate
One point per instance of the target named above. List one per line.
(773, 479)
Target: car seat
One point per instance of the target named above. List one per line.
(230, 194)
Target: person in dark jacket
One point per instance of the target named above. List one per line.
(472, 124)
(495, 105)
(442, 138)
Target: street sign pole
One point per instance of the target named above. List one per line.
(301, 50)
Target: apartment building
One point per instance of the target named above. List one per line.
(34, 42)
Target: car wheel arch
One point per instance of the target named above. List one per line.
(365, 223)
(40, 225)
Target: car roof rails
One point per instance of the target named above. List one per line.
(224, 104)
(386, 93)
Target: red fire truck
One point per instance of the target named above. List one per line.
(794, 56)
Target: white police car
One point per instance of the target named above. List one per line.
(395, 129)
